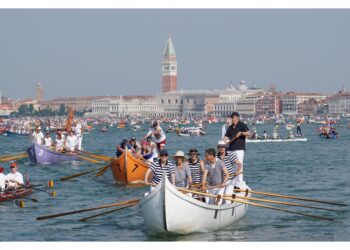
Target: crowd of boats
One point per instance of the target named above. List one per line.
(135, 159)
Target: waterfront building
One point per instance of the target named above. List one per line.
(291, 100)
(77, 103)
(270, 104)
(229, 97)
(187, 103)
(247, 105)
(339, 103)
(122, 106)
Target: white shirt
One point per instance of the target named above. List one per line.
(38, 137)
(77, 129)
(159, 137)
(3, 179)
(71, 142)
(48, 142)
(59, 143)
(17, 177)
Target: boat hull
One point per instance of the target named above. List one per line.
(15, 194)
(166, 209)
(128, 169)
(42, 155)
(277, 140)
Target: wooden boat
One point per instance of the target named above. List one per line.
(127, 168)
(15, 194)
(276, 140)
(42, 155)
(165, 209)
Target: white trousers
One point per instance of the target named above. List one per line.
(215, 191)
(79, 142)
(239, 178)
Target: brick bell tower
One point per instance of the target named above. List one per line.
(169, 68)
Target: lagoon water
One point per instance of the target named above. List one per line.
(318, 168)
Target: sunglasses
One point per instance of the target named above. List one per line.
(163, 155)
(13, 167)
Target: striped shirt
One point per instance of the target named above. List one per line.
(229, 160)
(158, 170)
(196, 171)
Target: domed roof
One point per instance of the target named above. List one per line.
(242, 86)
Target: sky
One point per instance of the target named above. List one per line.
(119, 52)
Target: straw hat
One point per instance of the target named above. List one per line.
(179, 154)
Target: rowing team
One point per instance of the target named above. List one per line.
(219, 170)
(62, 143)
(12, 180)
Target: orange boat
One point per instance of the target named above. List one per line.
(128, 169)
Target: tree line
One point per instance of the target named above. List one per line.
(29, 110)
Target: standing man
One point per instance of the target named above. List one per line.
(78, 131)
(158, 135)
(38, 136)
(235, 138)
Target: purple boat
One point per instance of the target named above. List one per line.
(42, 155)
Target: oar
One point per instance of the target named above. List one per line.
(103, 170)
(256, 204)
(13, 158)
(102, 157)
(108, 212)
(280, 202)
(291, 197)
(87, 209)
(66, 178)
(5, 156)
(88, 159)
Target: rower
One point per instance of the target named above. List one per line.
(78, 131)
(71, 142)
(153, 148)
(38, 136)
(156, 169)
(275, 134)
(135, 145)
(15, 178)
(232, 165)
(265, 135)
(216, 171)
(59, 142)
(158, 135)
(124, 145)
(3, 179)
(291, 136)
(182, 171)
(196, 166)
(48, 140)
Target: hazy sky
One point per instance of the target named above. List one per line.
(100, 52)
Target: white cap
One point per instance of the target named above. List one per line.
(221, 143)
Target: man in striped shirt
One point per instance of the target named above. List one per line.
(232, 165)
(157, 168)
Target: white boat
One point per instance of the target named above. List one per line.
(276, 140)
(165, 209)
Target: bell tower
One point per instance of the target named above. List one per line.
(169, 68)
